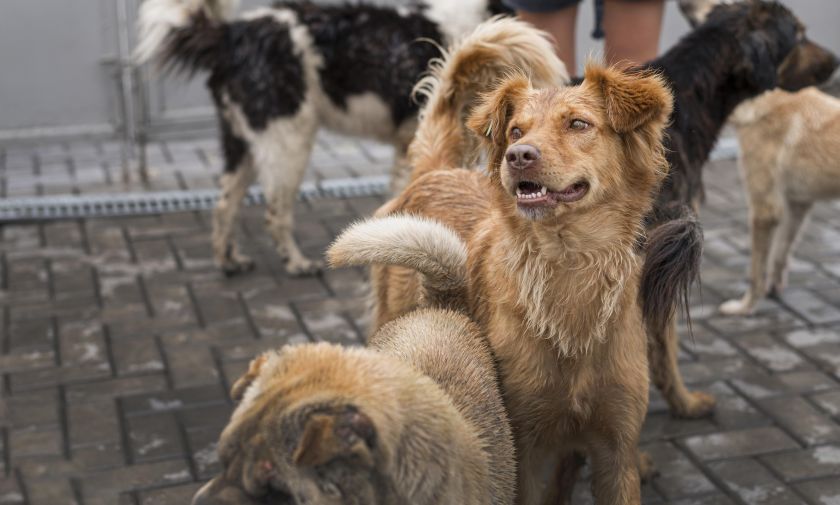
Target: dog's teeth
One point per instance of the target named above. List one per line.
(543, 190)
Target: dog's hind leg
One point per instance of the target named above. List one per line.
(281, 154)
(238, 177)
(665, 374)
(793, 217)
(764, 223)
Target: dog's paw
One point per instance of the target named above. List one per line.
(304, 267)
(736, 307)
(238, 265)
(699, 404)
(647, 468)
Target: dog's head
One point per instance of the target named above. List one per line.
(777, 52)
(564, 150)
(296, 438)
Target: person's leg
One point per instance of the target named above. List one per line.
(560, 24)
(632, 30)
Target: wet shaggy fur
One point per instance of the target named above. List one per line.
(554, 288)
(279, 74)
(416, 418)
(737, 52)
(789, 159)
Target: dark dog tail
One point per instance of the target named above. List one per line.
(672, 265)
(468, 69)
(424, 245)
(182, 34)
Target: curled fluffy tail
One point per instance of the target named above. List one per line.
(418, 243)
(469, 68)
(182, 33)
(672, 265)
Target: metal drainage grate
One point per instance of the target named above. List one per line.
(132, 204)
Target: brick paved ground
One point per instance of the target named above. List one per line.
(86, 167)
(119, 341)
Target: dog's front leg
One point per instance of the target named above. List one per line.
(665, 374)
(615, 470)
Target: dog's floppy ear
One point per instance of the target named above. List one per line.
(330, 435)
(632, 100)
(489, 119)
(237, 391)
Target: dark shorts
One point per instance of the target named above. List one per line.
(539, 5)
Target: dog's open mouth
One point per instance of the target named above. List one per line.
(532, 194)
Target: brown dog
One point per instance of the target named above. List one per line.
(789, 158)
(416, 419)
(552, 272)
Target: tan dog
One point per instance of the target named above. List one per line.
(552, 272)
(417, 419)
(789, 158)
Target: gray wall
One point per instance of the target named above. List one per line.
(55, 72)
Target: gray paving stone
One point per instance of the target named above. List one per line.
(807, 381)
(50, 491)
(92, 423)
(814, 309)
(802, 420)
(154, 437)
(753, 483)
(678, 476)
(733, 410)
(740, 443)
(712, 499)
(824, 492)
(817, 462)
(10, 492)
(829, 401)
(169, 495)
(770, 353)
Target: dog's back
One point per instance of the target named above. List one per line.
(448, 347)
(789, 144)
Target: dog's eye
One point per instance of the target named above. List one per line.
(515, 133)
(579, 124)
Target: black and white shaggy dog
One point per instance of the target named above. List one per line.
(278, 74)
(741, 50)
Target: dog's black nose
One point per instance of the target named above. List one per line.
(522, 156)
